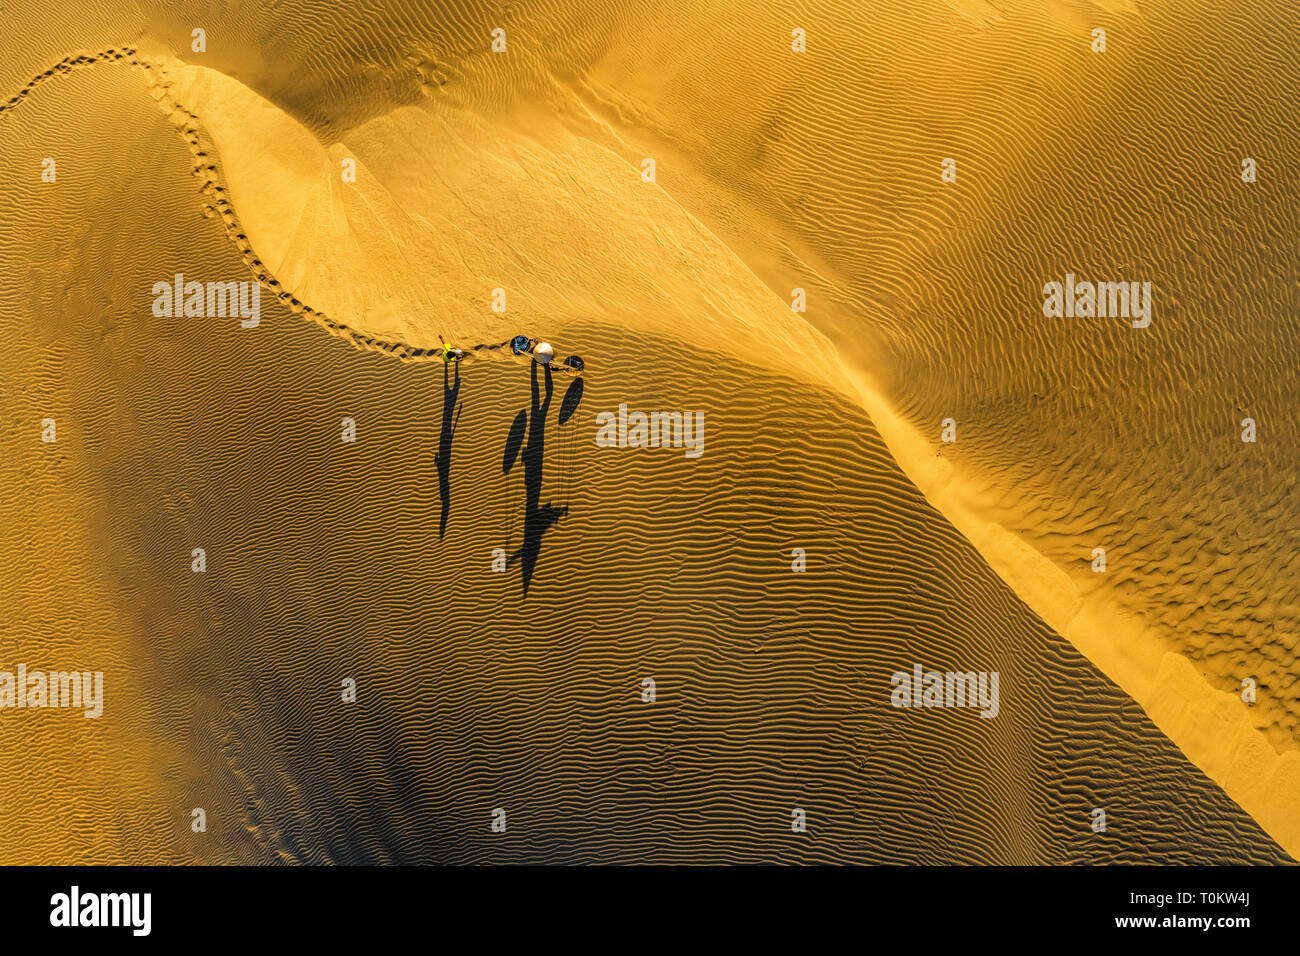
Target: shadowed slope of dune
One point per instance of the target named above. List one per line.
(78, 790)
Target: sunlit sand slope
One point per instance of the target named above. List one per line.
(454, 224)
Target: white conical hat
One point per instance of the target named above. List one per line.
(544, 353)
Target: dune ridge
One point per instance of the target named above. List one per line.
(1211, 726)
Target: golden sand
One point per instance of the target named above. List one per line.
(523, 171)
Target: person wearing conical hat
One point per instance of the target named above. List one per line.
(448, 352)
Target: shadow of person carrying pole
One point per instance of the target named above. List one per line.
(450, 418)
(538, 518)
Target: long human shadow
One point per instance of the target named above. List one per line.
(538, 517)
(450, 418)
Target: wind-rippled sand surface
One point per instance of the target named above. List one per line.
(521, 170)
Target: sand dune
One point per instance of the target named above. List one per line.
(774, 170)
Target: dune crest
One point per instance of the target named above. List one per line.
(1212, 727)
